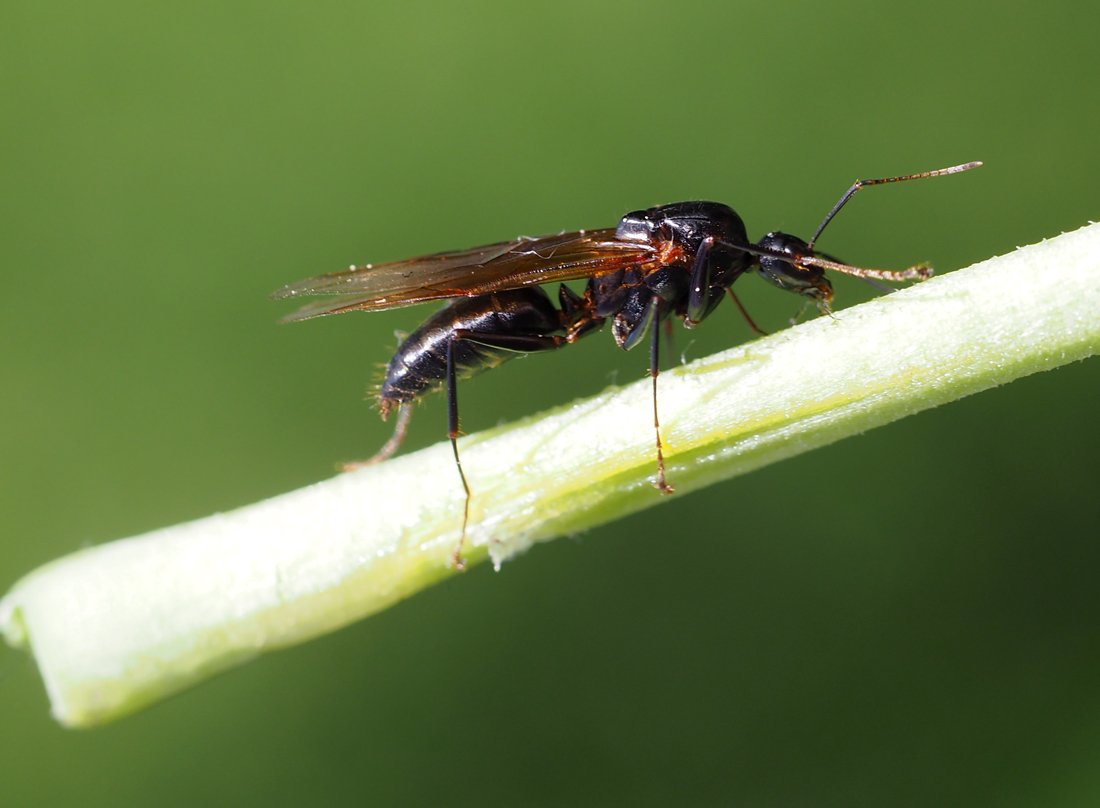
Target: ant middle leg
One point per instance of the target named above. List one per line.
(661, 484)
(630, 333)
(670, 341)
(744, 312)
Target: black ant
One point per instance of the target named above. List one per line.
(673, 260)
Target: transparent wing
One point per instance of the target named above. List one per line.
(467, 273)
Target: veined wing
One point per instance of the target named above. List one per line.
(467, 273)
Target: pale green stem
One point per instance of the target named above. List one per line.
(124, 624)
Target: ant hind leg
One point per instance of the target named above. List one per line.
(518, 343)
(390, 447)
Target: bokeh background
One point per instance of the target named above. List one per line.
(908, 617)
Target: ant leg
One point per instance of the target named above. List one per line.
(452, 433)
(520, 343)
(699, 284)
(801, 312)
(661, 483)
(744, 313)
(400, 427)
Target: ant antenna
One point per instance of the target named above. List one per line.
(939, 172)
(917, 272)
(881, 287)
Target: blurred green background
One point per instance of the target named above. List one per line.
(909, 617)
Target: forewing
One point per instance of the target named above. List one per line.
(478, 271)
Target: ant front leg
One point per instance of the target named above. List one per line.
(519, 343)
(698, 301)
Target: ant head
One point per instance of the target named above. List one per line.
(792, 264)
(789, 272)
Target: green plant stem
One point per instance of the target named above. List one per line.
(118, 626)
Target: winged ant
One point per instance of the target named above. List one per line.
(678, 260)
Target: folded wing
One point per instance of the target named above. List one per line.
(467, 273)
